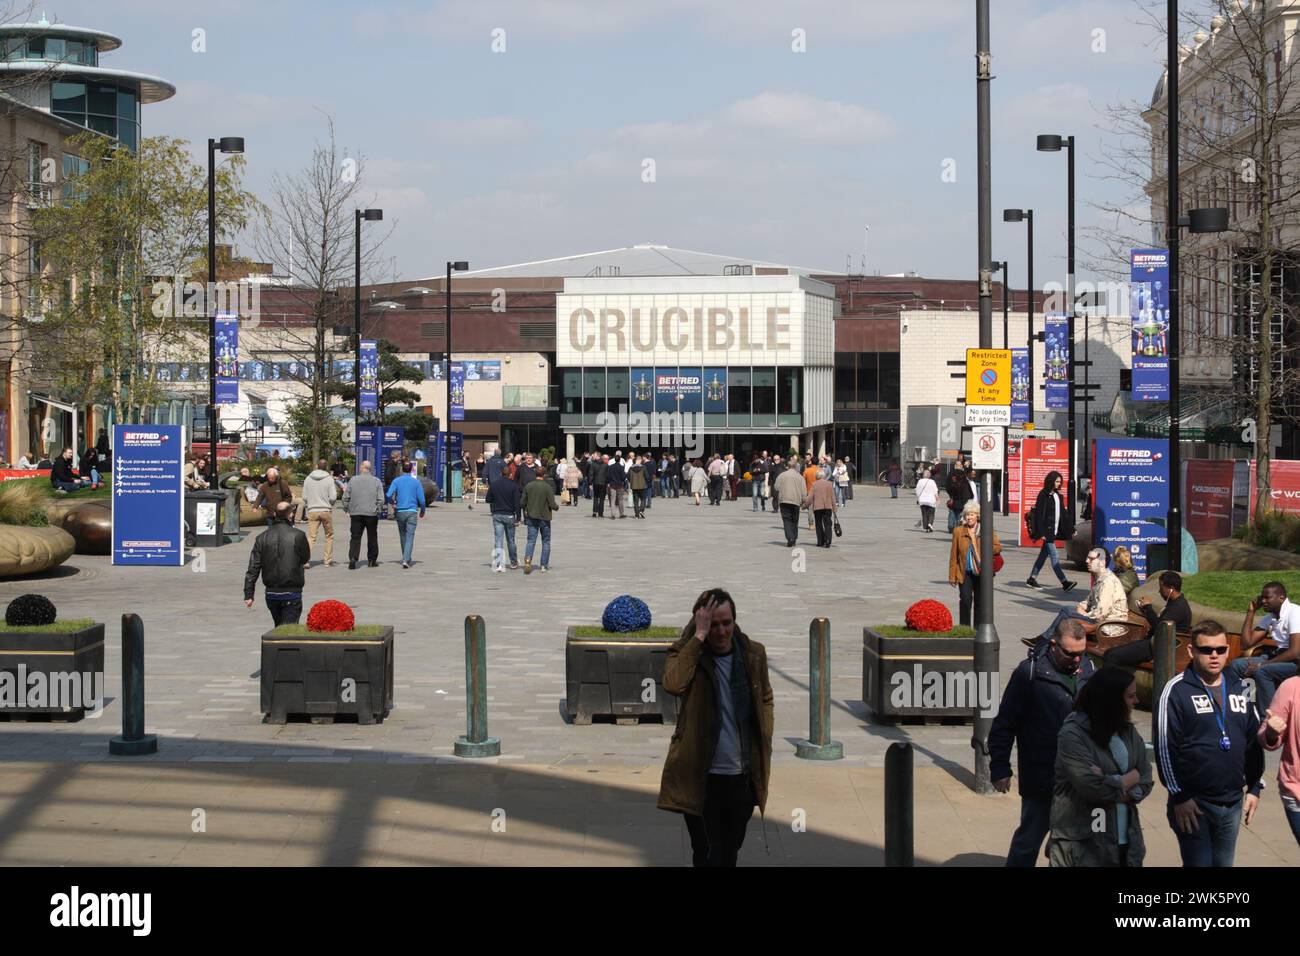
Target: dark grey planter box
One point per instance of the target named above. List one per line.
(303, 676)
(952, 659)
(605, 676)
(73, 665)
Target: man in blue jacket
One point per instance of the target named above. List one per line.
(407, 494)
(1208, 752)
(1038, 698)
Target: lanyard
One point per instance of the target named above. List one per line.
(1221, 715)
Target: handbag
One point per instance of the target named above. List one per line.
(997, 563)
(838, 530)
(564, 497)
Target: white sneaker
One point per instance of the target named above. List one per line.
(499, 569)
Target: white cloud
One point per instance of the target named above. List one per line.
(481, 131)
(803, 117)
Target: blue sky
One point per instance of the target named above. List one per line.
(760, 152)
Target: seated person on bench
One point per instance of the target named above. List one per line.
(1106, 602)
(1282, 625)
(1176, 609)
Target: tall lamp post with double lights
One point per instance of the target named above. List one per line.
(369, 215)
(1052, 143)
(226, 144)
(459, 266)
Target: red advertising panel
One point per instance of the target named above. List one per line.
(1284, 477)
(1038, 456)
(1209, 499)
(12, 474)
(1013, 475)
(225, 450)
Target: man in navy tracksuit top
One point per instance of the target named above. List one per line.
(1208, 752)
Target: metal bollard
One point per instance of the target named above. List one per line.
(476, 742)
(819, 745)
(1164, 649)
(134, 742)
(898, 806)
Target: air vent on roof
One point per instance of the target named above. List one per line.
(536, 330)
(433, 330)
(737, 270)
(605, 271)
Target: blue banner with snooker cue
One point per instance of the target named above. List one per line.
(1131, 496)
(457, 396)
(369, 376)
(1149, 309)
(1056, 362)
(227, 355)
(148, 499)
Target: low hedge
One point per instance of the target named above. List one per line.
(595, 630)
(300, 630)
(69, 626)
(894, 630)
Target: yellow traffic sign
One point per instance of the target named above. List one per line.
(988, 376)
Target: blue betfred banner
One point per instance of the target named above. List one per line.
(369, 376)
(1020, 386)
(148, 497)
(367, 444)
(1149, 309)
(1056, 362)
(1131, 489)
(715, 391)
(457, 392)
(227, 355)
(678, 392)
(643, 391)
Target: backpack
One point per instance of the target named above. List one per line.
(1031, 524)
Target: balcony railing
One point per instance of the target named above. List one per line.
(524, 396)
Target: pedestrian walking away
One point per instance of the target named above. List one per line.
(927, 496)
(616, 482)
(598, 476)
(820, 501)
(407, 495)
(1039, 697)
(279, 556)
(789, 493)
(539, 507)
(1207, 752)
(720, 758)
(363, 499)
(506, 502)
(894, 476)
(318, 494)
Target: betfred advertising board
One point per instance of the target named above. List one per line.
(1284, 482)
(1039, 457)
(1130, 496)
(1208, 488)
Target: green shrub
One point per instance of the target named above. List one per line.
(22, 502)
(892, 630)
(1277, 529)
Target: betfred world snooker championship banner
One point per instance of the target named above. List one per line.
(1149, 308)
(1130, 496)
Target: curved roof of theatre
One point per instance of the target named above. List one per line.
(104, 42)
(153, 89)
(640, 260)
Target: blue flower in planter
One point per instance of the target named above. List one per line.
(625, 613)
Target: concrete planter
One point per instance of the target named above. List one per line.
(607, 676)
(72, 665)
(307, 676)
(918, 676)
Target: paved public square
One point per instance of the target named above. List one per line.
(348, 793)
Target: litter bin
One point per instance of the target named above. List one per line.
(230, 526)
(204, 519)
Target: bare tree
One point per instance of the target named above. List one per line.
(311, 229)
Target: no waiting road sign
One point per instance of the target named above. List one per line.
(986, 447)
(988, 376)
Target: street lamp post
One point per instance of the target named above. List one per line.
(459, 266)
(370, 215)
(226, 144)
(1027, 215)
(1052, 143)
(1006, 339)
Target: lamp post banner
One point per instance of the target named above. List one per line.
(227, 345)
(1149, 309)
(457, 392)
(369, 376)
(1020, 386)
(1130, 496)
(148, 499)
(1056, 362)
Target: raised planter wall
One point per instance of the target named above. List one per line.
(605, 676)
(303, 676)
(883, 657)
(57, 656)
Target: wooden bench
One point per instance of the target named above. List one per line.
(1144, 673)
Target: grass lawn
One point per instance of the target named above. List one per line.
(894, 630)
(58, 627)
(300, 630)
(85, 494)
(1233, 590)
(595, 630)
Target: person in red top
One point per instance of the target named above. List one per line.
(1281, 729)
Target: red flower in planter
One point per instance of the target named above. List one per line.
(332, 616)
(928, 616)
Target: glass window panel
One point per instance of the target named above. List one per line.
(740, 401)
(618, 385)
(56, 48)
(593, 388)
(104, 124)
(572, 395)
(128, 133)
(846, 379)
(789, 393)
(125, 104)
(68, 97)
(102, 99)
(890, 380)
(35, 48)
(74, 49)
(868, 380)
(764, 397)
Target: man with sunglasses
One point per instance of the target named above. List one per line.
(1208, 752)
(1038, 698)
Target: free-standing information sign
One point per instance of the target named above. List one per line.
(148, 496)
(1209, 498)
(1038, 457)
(367, 445)
(1130, 496)
(1149, 308)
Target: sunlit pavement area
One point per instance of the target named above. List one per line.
(392, 793)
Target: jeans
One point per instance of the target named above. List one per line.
(952, 520)
(536, 525)
(503, 526)
(371, 525)
(759, 497)
(717, 835)
(839, 494)
(665, 483)
(617, 497)
(1292, 807)
(715, 489)
(677, 486)
(1035, 822)
(284, 611)
(1214, 842)
(1048, 552)
(790, 520)
(1129, 655)
(65, 485)
(893, 491)
(1266, 679)
(406, 531)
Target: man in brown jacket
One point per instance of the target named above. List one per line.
(720, 759)
(271, 492)
(820, 503)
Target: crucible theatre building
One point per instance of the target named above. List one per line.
(695, 363)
